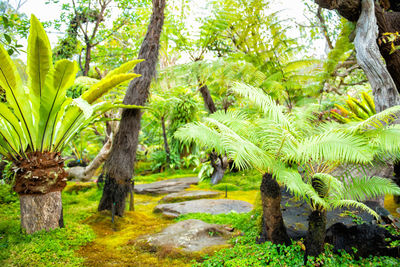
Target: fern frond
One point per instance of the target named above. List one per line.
(378, 120)
(334, 146)
(263, 101)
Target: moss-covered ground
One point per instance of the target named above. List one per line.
(91, 239)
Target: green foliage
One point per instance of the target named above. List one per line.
(268, 254)
(7, 194)
(41, 117)
(275, 143)
(357, 110)
(159, 160)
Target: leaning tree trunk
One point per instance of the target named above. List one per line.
(218, 162)
(119, 166)
(84, 174)
(273, 227)
(208, 101)
(39, 181)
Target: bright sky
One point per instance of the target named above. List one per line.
(292, 8)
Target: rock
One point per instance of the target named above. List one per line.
(189, 236)
(188, 195)
(368, 239)
(212, 206)
(166, 186)
(296, 213)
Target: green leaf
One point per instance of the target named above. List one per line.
(39, 57)
(11, 82)
(105, 85)
(7, 37)
(124, 68)
(57, 81)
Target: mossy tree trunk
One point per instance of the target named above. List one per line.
(273, 227)
(119, 166)
(315, 239)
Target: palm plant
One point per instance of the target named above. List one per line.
(280, 145)
(38, 121)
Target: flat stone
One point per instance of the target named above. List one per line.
(189, 236)
(189, 195)
(211, 206)
(166, 186)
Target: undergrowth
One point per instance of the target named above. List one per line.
(53, 248)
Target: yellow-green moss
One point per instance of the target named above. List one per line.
(391, 205)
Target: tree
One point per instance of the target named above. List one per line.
(119, 166)
(277, 144)
(37, 124)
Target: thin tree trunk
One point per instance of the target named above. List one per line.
(208, 101)
(87, 59)
(273, 227)
(166, 146)
(369, 58)
(315, 239)
(41, 211)
(119, 166)
(86, 173)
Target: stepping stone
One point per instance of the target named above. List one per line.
(189, 195)
(189, 236)
(211, 206)
(166, 186)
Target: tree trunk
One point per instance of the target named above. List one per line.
(369, 58)
(86, 173)
(316, 234)
(88, 58)
(273, 227)
(388, 21)
(41, 211)
(208, 101)
(166, 146)
(119, 166)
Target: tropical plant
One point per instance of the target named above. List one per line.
(279, 144)
(356, 109)
(39, 121)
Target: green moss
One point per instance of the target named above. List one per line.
(225, 186)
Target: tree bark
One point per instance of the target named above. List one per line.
(166, 146)
(208, 101)
(119, 166)
(388, 21)
(41, 211)
(315, 239)
(273, 226)
(88, 58)
(369, 58)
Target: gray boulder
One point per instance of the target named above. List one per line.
(166, 186)
(189, 236)
(189, 195)
(212, 206)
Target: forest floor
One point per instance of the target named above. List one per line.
(114, 243)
